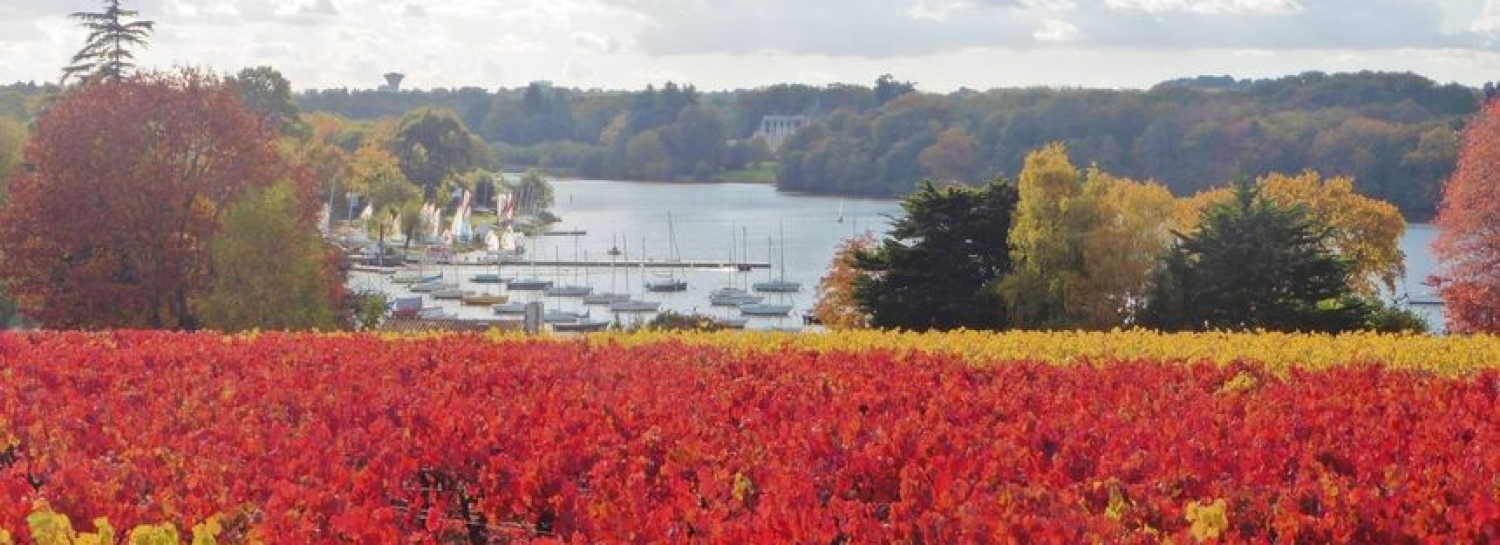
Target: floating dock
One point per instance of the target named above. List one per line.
(623, 264)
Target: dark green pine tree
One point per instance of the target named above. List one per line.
(106, 52)
(938, 266)
(1253, 265)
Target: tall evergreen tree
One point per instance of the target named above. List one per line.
(106, 52)
(937, 268)
(1254, 265)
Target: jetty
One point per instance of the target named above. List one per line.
(619, 263)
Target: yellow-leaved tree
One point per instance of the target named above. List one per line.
(1364, 231)
(1046, 242)
(1083, 247)
(1130, 235)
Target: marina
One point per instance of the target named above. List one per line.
(725, 235)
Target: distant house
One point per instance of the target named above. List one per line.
(775, 129)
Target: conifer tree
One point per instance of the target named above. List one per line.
(106, 52)
(1254, 265)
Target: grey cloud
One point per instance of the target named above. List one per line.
(885, 28)
(414, 10)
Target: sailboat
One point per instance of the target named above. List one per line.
(731, 295)
(531, 283)
(500, 295)
(780, 285)
(567, 290)
(633, 306)
(412, 278)
(841, 211)
(670, 282)
(611, 296)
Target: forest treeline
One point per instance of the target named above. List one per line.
(1395, 134)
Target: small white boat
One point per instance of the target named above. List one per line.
(734, 299)
(605, 298)
(481, 299)
(414, 277)
(509, 308)
(430, 287)
(634, 306)
(563, 316)
(778, 286)
(488, 278)
(765, 309)
(666, 285)
(581, 326)
(529, 284)
(451, 294)
(567, 291)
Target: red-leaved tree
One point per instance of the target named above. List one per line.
(109, 226)
(1468, 221)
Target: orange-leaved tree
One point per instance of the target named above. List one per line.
(109, 225)
(836, 307)
(1468, 221)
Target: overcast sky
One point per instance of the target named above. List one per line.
(719, 44)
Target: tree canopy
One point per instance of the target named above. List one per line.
(432, 145)
(115, 233)
(1392, 134)
(1254, 264)
(937, 267)
(271, 269)
(265, 91)
(1468, 242)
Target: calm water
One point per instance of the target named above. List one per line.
(704, 218)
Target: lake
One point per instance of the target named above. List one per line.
(704, 219)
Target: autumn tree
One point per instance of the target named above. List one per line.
(1468, 221)
(1046, 242)
(836, 307)
(954, 157)
(271, 269)
(937, 267)
(1364, 231)
(376, 174)
(1254, 264)
(1130, 236)
(106, 52)
(114, 233)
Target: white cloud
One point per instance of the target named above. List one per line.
(1488, 21)
(726, 43)
(1212, 7)
(1056, 31)
(937, 10)
(602, 43)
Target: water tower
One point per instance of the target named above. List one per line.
(393, 82)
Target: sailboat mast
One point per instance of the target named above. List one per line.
(782, 230)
